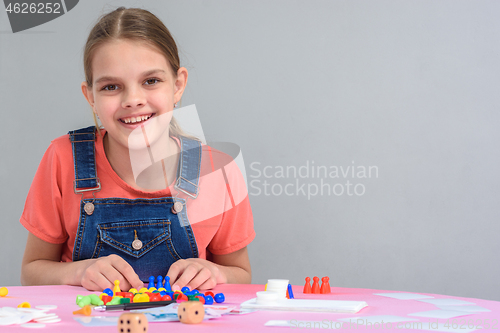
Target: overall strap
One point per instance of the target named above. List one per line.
(188, 172)
(83, 144)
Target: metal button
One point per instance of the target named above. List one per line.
(89, 208)
(177, 208)
(137, 244)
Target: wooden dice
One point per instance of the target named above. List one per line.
(132, 323)
(191, 312)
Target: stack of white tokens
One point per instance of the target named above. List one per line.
(28, 317)
(278, 286)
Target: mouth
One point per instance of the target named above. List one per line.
(136, 120)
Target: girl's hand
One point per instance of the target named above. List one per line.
(196, 274)
(99, 274)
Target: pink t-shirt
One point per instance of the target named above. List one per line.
(221, 217)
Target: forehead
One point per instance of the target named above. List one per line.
(124, 57)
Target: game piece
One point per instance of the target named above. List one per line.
(219, 298)
(124, 300)
(108, 291)
(95, 300)
(86, 311)
(141, 298)
(116, 288)
(315, 286)
(167, 284)
(207, 293)
(133, 322)
(201, 299)
(3, 292)
(115, 301)
(290, 291)
(154, 297)
(81, 301)
(151, 282)
(185, 289)
(133, 291)
(325, 285)
(209, 300)
(24, 305)
(105, 299)
(159, 282)
(307, 286)
(143, 290)
(166, 298)
(191, 312)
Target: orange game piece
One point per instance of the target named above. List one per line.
(307, 286)
(86, 311)
(325, 285)
(315, 286)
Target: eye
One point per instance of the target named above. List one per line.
(152, 81)
(110, 87)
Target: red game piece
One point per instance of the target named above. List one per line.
(315, 286)
(165, 298)
(307, 286)
(325, 285)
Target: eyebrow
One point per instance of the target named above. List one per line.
(113, 78)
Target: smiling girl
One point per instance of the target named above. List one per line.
(91, 221)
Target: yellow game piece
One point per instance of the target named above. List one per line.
(162, 289)
(24, 305)
(141, 298)
(103, 294)
(116, 288)
(152, 289)
(133, 291)
(3, 292)
(143, 290)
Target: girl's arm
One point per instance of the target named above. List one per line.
(42, 266)
(203, 274)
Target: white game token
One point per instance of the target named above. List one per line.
(47, 316)
(9, 320)
(31, 310)
(46, 307)
(48, 321)
(33, 325)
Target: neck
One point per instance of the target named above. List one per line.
(154, 168)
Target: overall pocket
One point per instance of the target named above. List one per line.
(148, 235)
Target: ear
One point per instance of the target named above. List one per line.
(89, 95)
(180, 83)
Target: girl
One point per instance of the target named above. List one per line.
(91, 221)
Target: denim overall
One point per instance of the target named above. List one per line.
(148, 233)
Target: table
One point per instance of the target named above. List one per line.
(64, 297)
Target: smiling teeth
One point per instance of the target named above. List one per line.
(133, 120)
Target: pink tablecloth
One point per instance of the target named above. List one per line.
(64, 297)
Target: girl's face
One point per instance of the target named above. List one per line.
(132, 83)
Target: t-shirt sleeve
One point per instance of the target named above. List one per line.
(236, 228)
(42, 210)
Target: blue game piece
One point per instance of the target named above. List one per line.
(209, 300)
(159, 282)
(290, 292)
(219, 298)
(167, 284)
(108, 291)
(151, 282)
(185, 290)
(163, 293)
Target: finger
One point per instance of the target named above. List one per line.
(200, 278)
(175, 269)
(209, 284)
(125, 270)
(187, 275)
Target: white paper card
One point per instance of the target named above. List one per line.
(404, 296)
(306, 324)
(446, 301)
(465, 308)
(440, 314)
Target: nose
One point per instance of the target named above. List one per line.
(133, 97)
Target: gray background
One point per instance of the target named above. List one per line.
(408, 86)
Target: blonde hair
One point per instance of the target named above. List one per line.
(134, 24)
